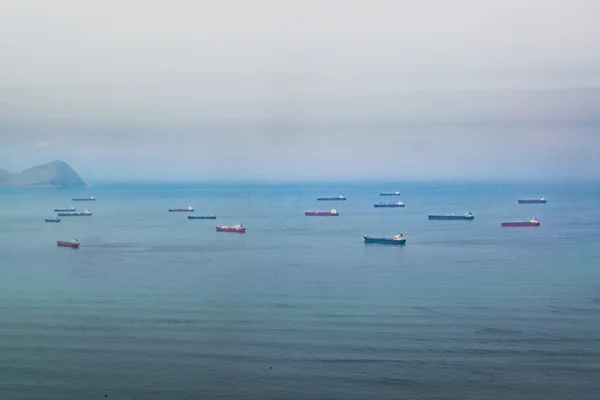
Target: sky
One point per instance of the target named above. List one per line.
(285, 90)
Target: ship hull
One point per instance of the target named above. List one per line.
(202, 217)
(181, 210)
(451, 217)
(519, 224)
(390, 194)
(230, 229)
(383, 240)
(52, 220)
(84, 199)
(533, 201)
(67, 244)
(74, 214)
(320, 214)
(331, 199)
(65, 210)
(388, 205)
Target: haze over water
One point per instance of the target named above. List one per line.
(154, 306)
(302, 90)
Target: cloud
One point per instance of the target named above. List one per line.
(325, 44)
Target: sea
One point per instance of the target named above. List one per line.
(156, 306)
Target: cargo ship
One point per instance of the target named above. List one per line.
(390, 193)
(451, 217)
(52, 219)
(70, 243)
(388, 205)
(398, 239)
(541, 200)
(189, 209)
(532, 222)
(332, 213)
(84, 213)
(235, 228)
(71, 209)
(211, 216)
(91, 198)
(337, 198)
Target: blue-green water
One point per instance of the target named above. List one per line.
(155, 306)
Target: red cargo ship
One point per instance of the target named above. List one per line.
(532, 222)
(332, 213)
(236, 228)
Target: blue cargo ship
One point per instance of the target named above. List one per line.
(337, 198)
(189, 209)
(398, 239)
(71, 209)
(468, 216)
(541, 200)
(84, 213)
(388, 205)
(212, 216)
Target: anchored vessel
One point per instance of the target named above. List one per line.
(189, 209)
(70, 243)
(332, 213)
(235, 228)
(84, 213)
(398, 239)
(211, 216)
(70, 209)
(388, 205)
(91, 198)
(337, 198)
(532, 222)
(390, 193)
(467, 216)
(51, 219)
(541, 200)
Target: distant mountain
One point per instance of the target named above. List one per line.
(54, 174)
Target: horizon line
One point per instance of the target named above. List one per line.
(339, 181)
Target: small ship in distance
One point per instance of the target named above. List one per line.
(332, 213)
(336, 198)
(70, 209)
(389, 205)
(467, 216)
(239, 228)
(541, 200)
(189, 209)
(398, 239)
(532, 222)
(84, 213)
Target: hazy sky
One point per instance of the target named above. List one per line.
(287, 90)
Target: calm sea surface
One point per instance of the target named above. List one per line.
(155, 306)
